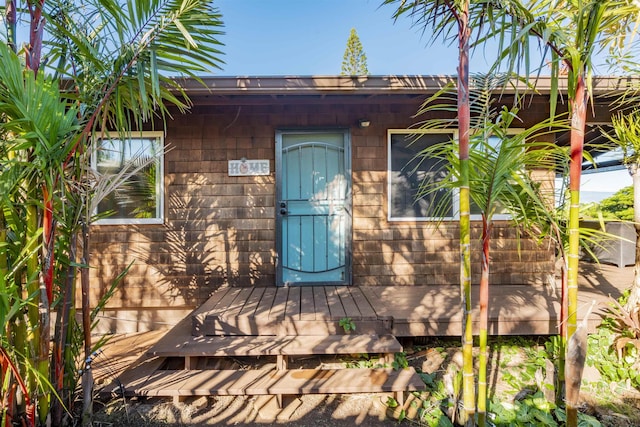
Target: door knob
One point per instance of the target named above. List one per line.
(283, 211)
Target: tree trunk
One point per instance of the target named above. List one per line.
(483, 323)
(578, 120)
(464, 119)
(87, 375)
(62, 353)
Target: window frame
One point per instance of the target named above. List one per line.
(160, 196)
(455, 194)
(390, 132)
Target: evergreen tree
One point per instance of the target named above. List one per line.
(354, 62)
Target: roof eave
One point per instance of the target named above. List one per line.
(370, 85)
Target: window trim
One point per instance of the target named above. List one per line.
(160, 196)
(455, 194)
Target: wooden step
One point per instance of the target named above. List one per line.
(270, 346)
(191, 347)
(275, 382)
(214, 325)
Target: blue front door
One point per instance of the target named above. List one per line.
(313, 207)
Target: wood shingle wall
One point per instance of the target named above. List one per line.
(219, 230)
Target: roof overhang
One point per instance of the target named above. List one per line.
(373, 85)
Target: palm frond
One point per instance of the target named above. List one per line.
(123, 66)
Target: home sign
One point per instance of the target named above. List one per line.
(246, 167)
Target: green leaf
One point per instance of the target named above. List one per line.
(391, 402)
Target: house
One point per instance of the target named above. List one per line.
(269, 181)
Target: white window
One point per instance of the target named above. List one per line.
(139, 199)
(406, 171)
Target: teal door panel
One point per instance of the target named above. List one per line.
(313, 223)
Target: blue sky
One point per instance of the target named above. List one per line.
(308, 37)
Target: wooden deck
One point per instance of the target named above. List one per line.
(314, 310)
(399, 310)
(280, 323)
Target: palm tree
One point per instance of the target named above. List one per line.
(444, 16)
(500, 164)
(573, 33)
(116, 60)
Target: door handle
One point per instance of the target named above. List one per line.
(283, 211)
(283, 208)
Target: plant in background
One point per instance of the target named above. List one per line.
(400, 361)
(618, 206)
(615, 347)
(364, 361)
(627, 136)
(530, 377)
(431, 407)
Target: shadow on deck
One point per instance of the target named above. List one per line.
(402, 311)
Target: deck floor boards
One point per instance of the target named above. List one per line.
(279, 304)
(321, 304)
(226, 304)
(350, 307)
(250, 306)
(266, 302)
(366, 309)
(293, 304)
(410, 310)
(307, 304)
(335, 305)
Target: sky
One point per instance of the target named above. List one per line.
(309, 37)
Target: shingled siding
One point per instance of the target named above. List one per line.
(219, 230)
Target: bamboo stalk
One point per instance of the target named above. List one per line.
(87, 376)
(4, 264)
(484, 323)
(464, 119)
(33, 327)
(11, 21)
(578, 120)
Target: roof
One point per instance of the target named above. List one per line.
(363, 85)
